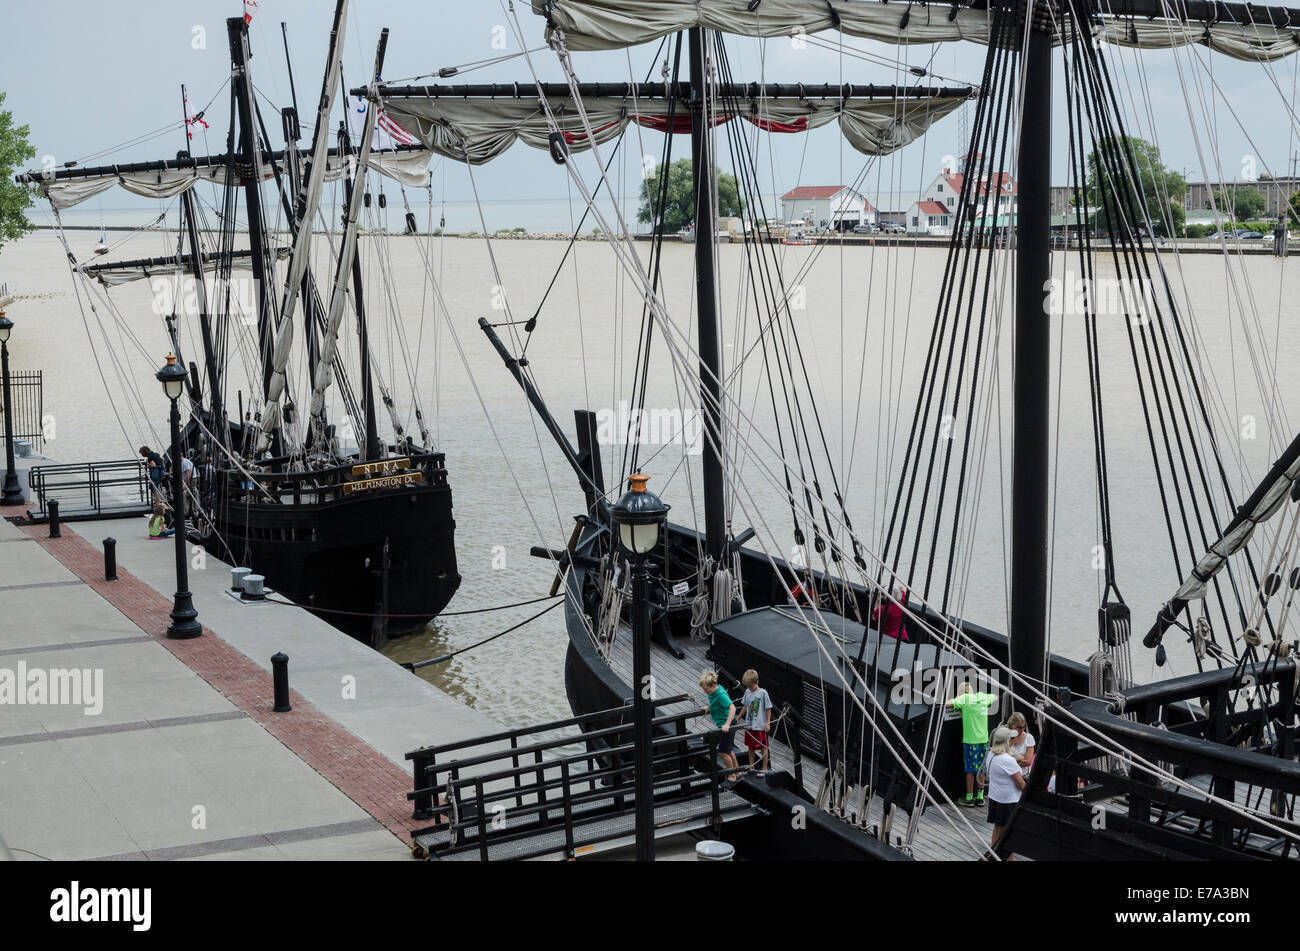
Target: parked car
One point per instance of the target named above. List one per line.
(1247, 235)
(864, 229)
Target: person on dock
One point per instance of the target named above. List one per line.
(1006, 782)
(889, 617)
(723, 711)
(758, 717)
(158, 523)
(974, 709)
(1022, 742)
(154, 462)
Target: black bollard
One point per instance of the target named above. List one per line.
(54, 519)
(110, 559)
(280, 676)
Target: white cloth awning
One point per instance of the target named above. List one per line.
(407, 167)
(478, 130)
(614, 24)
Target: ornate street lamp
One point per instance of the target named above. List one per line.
(185, 620)
(13, 492)
(640, 515)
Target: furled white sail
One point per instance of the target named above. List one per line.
(478, 130)
(409, 167)
(323, 371)
(1281, 483)
(310, 198)
(614, 24)
(111, 276)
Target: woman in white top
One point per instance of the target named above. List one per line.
(1021, 747)
(1005, 782)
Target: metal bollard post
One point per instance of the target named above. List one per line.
(54, 519)
(110, 559)
(280, 676)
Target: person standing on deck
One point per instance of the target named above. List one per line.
(758, 717)
(889, 617)
(723, 711)
(1006, 782)
(974, 708)
(1022, 742)
(154, 462)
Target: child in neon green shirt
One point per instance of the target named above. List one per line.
(974, 708)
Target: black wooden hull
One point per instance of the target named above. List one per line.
(328, 554)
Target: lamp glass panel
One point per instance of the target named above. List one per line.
(4, 334)
(173, 389)
(644, 538)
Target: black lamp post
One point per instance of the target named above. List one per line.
(185, 620)
(639, 516)
(13, 492)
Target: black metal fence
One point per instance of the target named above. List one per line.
(88, 490)
(27, 390)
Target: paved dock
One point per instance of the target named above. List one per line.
(180, 756)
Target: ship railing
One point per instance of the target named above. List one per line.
(90, 490)
(1230, 753)
(530, 798)
(311, 486)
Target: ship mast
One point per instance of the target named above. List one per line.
(251, 155)
(1030, 464)
(715, 519)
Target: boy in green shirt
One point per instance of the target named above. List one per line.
(723, 711)
(974, 709)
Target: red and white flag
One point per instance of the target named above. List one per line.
(394, 131)
(249, 7)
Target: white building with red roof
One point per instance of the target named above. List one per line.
(928, 216)
(827, 206)
(995, 195)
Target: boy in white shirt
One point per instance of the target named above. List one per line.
(758, 716)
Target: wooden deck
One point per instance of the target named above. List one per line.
(944, 833)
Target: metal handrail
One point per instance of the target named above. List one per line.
(436, 768)
(572, 820)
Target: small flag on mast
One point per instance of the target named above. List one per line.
(249, 7)
(395, 131)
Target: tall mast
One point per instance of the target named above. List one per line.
(251, 155)
(1030, 468)
(715, 520)
(370, 447)
(303, 212)
(322, 372)
(188, 211)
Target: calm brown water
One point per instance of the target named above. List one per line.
(865, 321)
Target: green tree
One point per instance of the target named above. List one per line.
(15, 199)
(679, 210)
(1119, 204)
(1295, 206)
(1242, 203)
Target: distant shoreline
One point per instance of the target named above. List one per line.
(1183, 245)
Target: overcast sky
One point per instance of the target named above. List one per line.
(90, 75)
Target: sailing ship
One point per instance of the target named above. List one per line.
(1200, 766)
(340, 517)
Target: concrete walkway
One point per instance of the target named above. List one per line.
(179, 756)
